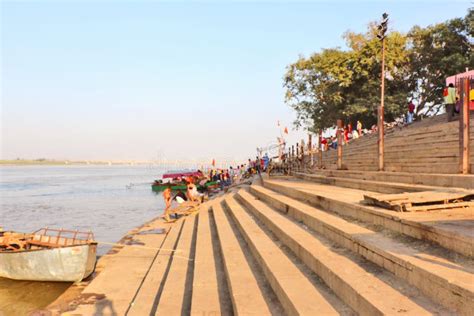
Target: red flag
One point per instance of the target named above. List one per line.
(286, 130)
(213, 162)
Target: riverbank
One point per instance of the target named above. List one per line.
(74, 295)
(255, 249)
(48, 162)
(108, 200)
(109, 290)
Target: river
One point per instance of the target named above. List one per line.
(108, 200)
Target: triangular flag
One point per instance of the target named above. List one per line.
(286, 130)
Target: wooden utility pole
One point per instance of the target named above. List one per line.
(339, 144)
(320, 150)
(381, 112)
(464, 163)
(310, 149)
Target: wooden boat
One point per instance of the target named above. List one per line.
(160, 185)
(47, 255)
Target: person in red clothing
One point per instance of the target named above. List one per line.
(324, 144)
(411, 113)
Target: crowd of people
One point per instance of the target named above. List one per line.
(210, 182)
(349, 133)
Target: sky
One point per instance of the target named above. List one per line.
(144, 80)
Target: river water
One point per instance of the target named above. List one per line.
(109, 200)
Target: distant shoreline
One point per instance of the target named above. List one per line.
(44, 162)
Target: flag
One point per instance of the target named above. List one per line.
(213, 162)
(286, 130)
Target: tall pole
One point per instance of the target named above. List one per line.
(381, 111)
(464, 127)
(380, 116)
(320, 151)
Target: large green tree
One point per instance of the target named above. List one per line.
(345, 83)
(436, 52)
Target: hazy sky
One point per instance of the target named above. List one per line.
(134, 80)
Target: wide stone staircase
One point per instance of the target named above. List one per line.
(306, 245)
(428, 146)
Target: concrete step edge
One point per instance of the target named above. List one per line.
(280, 272)
(174, 289)
(372, 185)
(205, 289)
(341, 274)
(388, 219)
(143, 303)
(447, 285)
(245, 292)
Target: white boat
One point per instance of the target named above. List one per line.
(47, 255)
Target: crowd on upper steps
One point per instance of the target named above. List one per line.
(452, 106)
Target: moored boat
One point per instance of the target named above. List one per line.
(158, 187)
(47, 255)
(177, 181)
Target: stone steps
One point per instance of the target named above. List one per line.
(296, 293)
(365, 292)
(434, 226)
(348, 159)
(443, 280)
(205, 290)
(247, 298)
(438, 150)
(145, 301)
(111, 280)
(173, 296)
(452, 180)
(374, 186)
(294, 247)
(390, 166)
(420, 148)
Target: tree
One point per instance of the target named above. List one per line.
(345, 84)
(314, 88)
(436, 52)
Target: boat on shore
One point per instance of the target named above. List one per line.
(177, 181)
(47, 255)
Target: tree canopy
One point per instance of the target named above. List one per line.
(345, 83)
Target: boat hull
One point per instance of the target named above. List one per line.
(162, 187)
(63, 264)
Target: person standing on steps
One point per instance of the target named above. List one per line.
(450, 100)
(359, 128)
(167, 198)
(257, 164)
(411, 113)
